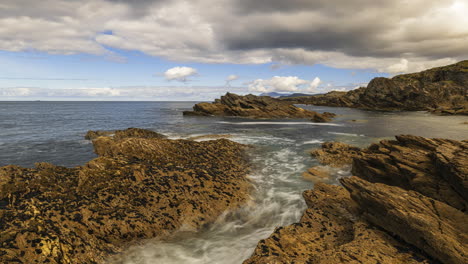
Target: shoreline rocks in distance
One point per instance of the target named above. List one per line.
(141, 186)
(442, 90)
(252, 106)
(405, 204)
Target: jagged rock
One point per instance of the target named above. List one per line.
(252, 106)
(332, 231)
(130, 132)
(432, 226)
(436, 168)
(336, 154)
(141, 186)
(440, 90)
(316, 174)
(91, 134)
(410, 213)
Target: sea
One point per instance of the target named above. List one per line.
(54, 132)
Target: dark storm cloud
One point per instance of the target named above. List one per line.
(341, 33)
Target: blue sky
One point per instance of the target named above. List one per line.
(48, 71)
(185, 50)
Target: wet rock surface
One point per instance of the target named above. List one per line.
(442, 90)
(252, 106)
(141, 186)
(406, 204)
(332, 231)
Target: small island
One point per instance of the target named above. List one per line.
(252, 106)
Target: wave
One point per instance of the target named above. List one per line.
(313, 141)
(279, 123)
(347, 134)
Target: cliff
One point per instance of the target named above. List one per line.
(441, 90)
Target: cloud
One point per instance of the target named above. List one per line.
(231, 78)
(361, 34)
(145, 93)
(284, 84)
(179, 73)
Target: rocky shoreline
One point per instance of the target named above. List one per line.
(141, 186)
(442, 90)
(405, 204)
(252, 106)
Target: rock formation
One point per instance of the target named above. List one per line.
(252, 106)
(441, 90)
(406, 204)
(141, 186)
(332, 231)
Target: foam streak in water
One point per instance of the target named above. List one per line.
(279, 123)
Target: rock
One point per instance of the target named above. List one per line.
(331, 231)
(252, 106)
(436, 168)
(432, 226)
(316, 174)
(336, 154)
(130, 132)
(411, 212)
(141, 186)
(90, 135)
(441, 90)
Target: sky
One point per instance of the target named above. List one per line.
(162, 50)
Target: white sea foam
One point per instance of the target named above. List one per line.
(346, 134)
(313, 141)
(276, 201)
(279, 123)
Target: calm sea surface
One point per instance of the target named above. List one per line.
(53, 132)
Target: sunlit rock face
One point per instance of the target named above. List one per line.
(141, 186)
(406, 204)
(442, 90)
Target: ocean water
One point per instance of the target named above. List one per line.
(53, 132)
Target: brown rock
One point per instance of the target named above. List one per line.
(332, 231)
(316, 174)
(142, 186)
(440, 90)
(336, 154)
(252, 106)
(130, 132)
(434, 227)
(433, 167)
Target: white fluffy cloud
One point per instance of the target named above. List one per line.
(284, 84)
(231, 78)
(180, 73)
(362, 34)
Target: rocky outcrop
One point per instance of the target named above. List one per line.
(141, 186)
(332, 230)
(406, 204)
(336, 154)
(436, 168)
(119, 134)
(252, 106)
(432, 226)
(442, 90)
